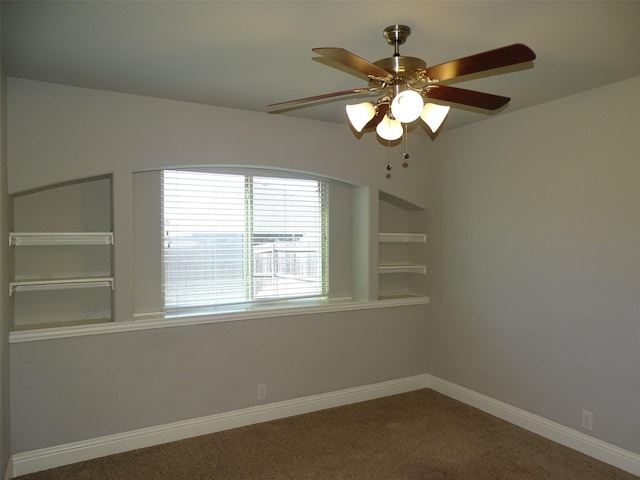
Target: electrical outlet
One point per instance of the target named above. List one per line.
(587, 420)
(262, 391)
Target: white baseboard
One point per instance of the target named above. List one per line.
(46, 458)
(603, 451)
(9, 473)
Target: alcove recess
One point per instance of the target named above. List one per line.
(402, 249)
(61, 247)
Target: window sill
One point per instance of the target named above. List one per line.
(159, 320)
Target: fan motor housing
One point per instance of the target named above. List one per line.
(405, 68)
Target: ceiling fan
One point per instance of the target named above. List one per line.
(405, 82)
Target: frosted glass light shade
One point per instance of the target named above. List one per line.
(406, 106)
(360, 114)
(389, 129)
(433, 115)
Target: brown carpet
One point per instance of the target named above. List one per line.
(420, 435)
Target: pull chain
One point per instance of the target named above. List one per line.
(405, 164)
(388, 159)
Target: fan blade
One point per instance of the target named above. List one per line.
(500, 57)
(381, 111)
(291, 103)
(462, 96)
(353, 61)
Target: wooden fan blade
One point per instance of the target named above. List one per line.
(462, 96)
(291, 103)
(381, 111)
(352, 61)
(500, 57)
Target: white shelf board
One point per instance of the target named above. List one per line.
(59, 284)
(402, 238)
(403, 296)
(37, 239)
(402, 268)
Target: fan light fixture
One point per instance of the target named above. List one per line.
(405, 108)
(433, 115)
(360, 114)
(406, 85)
(389, 128)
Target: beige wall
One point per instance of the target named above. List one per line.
(5, 309)
(61, 133)
(535, 290)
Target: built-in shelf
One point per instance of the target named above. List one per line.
(407, 297)
(61, 254)
(402, 252)
(402, 268)
(60, 284)
(402, 238)
(39, 330)
(36, 239)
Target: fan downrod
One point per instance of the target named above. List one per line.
(405, 68)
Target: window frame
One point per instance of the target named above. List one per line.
(250, 300)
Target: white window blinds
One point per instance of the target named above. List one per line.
(230, 239)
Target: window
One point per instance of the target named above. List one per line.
(237, 239)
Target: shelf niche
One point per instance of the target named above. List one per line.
(402, 270)
(62, 255)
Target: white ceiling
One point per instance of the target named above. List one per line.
(246, 55)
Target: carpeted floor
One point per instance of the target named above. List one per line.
(420, 435)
